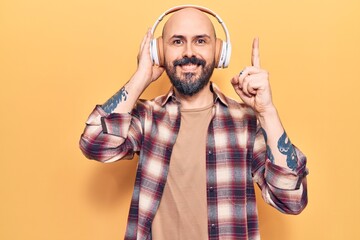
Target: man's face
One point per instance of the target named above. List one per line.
(189, 50)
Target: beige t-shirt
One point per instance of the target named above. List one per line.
(182, 214)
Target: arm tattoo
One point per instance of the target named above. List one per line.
(112, 103)
(285, 147)
(268, 150)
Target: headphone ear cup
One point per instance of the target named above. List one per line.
(228, 54)
(157, 51)
(223, 52)
(160, 51)
(218, 51)
(154, 52)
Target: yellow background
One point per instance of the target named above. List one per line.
(60, 58)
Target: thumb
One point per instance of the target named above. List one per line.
(235, 80)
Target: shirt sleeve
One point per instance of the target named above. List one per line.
(281, 187)
(110, 137)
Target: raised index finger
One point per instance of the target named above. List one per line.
(255, 57)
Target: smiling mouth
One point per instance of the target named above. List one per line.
(189, 67)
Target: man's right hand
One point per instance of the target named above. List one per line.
(145, 65)
(123, 101)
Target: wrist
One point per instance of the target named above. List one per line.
(269, 118)
(267, 112)
(141, 78)
(270, 122)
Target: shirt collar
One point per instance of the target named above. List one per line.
(218, 95)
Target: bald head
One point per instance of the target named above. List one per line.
(188, 21)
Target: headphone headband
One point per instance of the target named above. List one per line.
(223, 49)
(203, 9)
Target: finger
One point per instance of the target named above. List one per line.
(142, 46)
(237, 87)
(254, 84)
(146, 41)
(243, 97)
(237, 84)
(235, 80)
(143, 42)
(248, 71)
(145, 45)
(255, 56)
(245, 86)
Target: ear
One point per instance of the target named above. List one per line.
(218, 51)
(160, 49)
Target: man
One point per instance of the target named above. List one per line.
(200, 151)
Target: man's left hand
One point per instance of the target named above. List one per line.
(252, 84)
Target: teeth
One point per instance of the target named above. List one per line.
(189, 67)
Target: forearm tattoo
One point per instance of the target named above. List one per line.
(285, 147)
(268, 149)
(112, 103)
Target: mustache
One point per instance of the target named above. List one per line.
(187, 60)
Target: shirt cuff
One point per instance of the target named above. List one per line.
(116, 124)
(285, 178)
(96, 114)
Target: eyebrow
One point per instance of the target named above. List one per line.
(197, 36)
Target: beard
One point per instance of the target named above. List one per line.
(188, 84)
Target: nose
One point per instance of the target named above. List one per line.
(189, 50)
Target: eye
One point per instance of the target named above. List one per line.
(201, 41)
(177, 42)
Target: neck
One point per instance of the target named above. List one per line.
(201, 99)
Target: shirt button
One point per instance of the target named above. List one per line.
(209, 152)
(213, 225)
(211, 189)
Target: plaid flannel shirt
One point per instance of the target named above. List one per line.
(235, 159)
